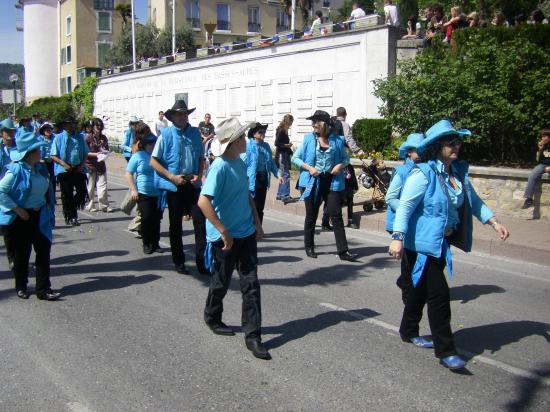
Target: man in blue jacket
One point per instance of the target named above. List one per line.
(178, 160)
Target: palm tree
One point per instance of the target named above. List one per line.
(125, 11)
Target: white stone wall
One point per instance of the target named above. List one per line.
(261, 84)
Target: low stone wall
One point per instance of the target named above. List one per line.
(501, 189)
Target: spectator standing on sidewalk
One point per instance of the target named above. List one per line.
(543, 160)
(283, 154)
(233, 230)
(160, 123)
(128, 139)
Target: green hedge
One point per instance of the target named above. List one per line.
(496, 82)
(372, 135)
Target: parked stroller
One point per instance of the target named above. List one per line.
(376, 177)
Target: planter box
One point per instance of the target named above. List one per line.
(181, 56)
(166, 60)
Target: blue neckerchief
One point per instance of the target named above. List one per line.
(161, 203)
(209, 257)
(421, 260)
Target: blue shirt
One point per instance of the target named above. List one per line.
(37, 196)
(45, 151)
(228, 186)
(145, 174)
(323, 158)
(191, 151)
(75, 150)
(413, 193)
(5, 155)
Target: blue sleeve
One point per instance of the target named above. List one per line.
(55, 147)
(345, 156)
(479, 209)
(159, 148)
(297, 157)
(6, 202)
(392, 195)
(411, 196)
(132, 164)
(125, 146)
(213, 184)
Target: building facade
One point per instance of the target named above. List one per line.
(236, 20)
(66, 41)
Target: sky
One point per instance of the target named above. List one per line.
(11, 44)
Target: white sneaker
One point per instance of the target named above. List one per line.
(107, 210)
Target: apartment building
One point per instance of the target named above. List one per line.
(87, 31)
(236, 20)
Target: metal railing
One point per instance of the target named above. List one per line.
(254, 27)
(223, 25)
(194, 22)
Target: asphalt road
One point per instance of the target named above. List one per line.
(128, 334)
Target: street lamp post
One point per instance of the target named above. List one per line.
(14, 78)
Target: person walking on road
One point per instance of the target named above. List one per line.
(141, 179)
(27, 215)
(69, 152)
(259, 166)
(283, 154)
(98, 146)
(178, 160)
(322, 159)
(435, 211)
(233, 230)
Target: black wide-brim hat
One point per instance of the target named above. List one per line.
(67, 120)
(179, 106)
(256, 128)
(320, 116)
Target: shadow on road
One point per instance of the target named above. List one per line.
(277, 236)
(493, 337)
(528, 397)
(297, 329)
(467, 293)
(323, 276)
(71, 259)
(98, 283)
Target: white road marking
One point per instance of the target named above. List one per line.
(479, 358)
(77, 407)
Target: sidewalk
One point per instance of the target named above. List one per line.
(529, 239)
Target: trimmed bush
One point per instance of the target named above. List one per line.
(372, 135)
(51, 108)
(495, 83)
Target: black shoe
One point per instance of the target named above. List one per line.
(527, 204)
(350, 257)
(74, 222)
(182, 269)
(326, 226)
(158, 249)
(352, 225)
(23, 294)
(221, 329)
(258, 349)
(310, 252)
(147, 249)
(202, 268)
(287, 200)
(48, 295)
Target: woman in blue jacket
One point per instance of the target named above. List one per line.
(128, 140)
(407, 151)
(27, 215)
(322, 159)
(435, 211)
(143, 188)
(259, 166)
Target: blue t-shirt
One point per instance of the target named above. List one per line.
(227, 184)
(145, 174)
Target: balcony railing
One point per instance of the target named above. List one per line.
(254, 27)
(223, 25)
(283, 28)
(194, 22)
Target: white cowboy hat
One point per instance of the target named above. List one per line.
(227, 132)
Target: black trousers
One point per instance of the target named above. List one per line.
(333, 201)
(23, 236)
(261, 193)
(73, 193)
(183, 202)
(150, 220)
(243, 256)
(433, 290)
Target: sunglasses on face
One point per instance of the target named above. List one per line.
(454, 143)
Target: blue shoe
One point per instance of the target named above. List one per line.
(453, 362)
(422, 342)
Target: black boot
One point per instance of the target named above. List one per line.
(310, 252)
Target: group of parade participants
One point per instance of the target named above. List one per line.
(430, 205)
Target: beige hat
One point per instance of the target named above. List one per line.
(227, 132)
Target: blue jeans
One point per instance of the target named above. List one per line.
(534, 178)
(284, 165)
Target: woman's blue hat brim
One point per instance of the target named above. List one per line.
(440, 130)
(412, 142)
(17, 156)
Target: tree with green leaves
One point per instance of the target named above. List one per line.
(125, 12)
(184, 39)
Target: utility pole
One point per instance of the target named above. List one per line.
(173, 27)
(292, 15)
(133, 36)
